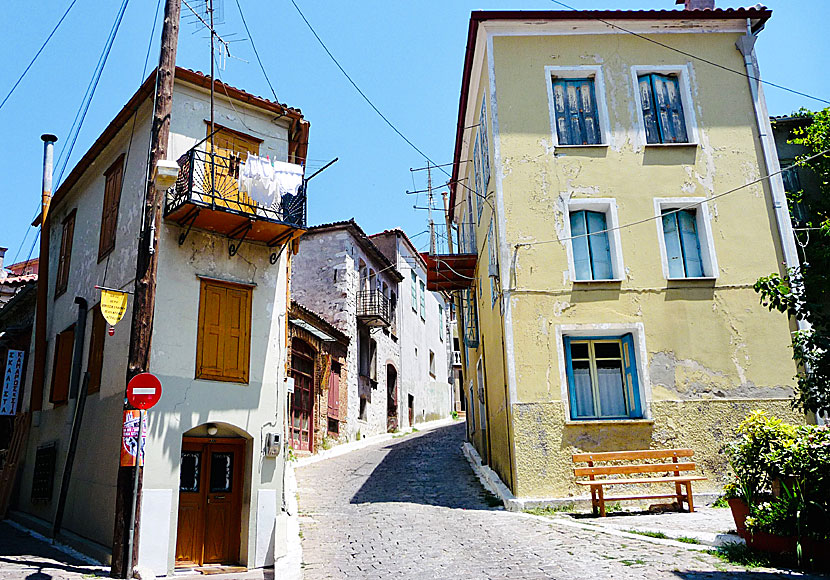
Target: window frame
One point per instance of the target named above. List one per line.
(413, 281)
(684, 73)
(577, 72)
(608, 206)
(222, 375)
(493, 271)
(110, 211)
(65, 253)
(423, 304)
(705, 238)
(601, 331)
(61, 397)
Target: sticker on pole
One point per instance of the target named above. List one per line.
(143, 391)
(129, 438)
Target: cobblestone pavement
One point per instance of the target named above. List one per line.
(414, 509)
(22, 556)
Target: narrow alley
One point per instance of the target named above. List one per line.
(414, 509)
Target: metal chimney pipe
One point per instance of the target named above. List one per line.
(697, 4)
(48, 154)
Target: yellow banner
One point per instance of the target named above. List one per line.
(113, 305)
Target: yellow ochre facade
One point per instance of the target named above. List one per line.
(639, 357)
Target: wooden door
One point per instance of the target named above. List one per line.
(210, 501)
(229, 147)
(302, 403)
(334, 391)
(391, 398)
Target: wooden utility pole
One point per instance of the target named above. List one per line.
(144, 300)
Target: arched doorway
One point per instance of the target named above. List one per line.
(211, 480)
(302, 401)
(391, 398)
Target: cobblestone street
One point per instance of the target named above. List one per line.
(414, 509)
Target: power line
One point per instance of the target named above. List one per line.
(701, 59)
(251, 38)
(691, 205)
(77, 124)
(37, 54)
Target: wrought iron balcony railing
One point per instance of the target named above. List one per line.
(206, 196)
(373, 308)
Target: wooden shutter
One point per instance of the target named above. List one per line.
(227, 143)
(62, 366)
(588, 111)
(423, 299)
(334, 391)
(224, 334)
(691, 244)
(575, 109)
(599, 245)
(109, 212)
(649, 110)
(95, 362)
(674, 251)
(579, 245)
(631, 383)
(669, 109)
(68, 232)
(414, 284)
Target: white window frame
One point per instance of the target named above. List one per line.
(684, 73)
(586, 71)
(608, 206)
(611, 330)
(704, 234)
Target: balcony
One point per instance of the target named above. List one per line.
(373, 309)
(456, 358)
(453, 271)
(206, 197)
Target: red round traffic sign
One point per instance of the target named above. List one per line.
(143, 391)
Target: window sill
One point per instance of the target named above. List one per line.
(607, 281)
(696, 279)
(593, 422)
(658, 145)
(588, 146)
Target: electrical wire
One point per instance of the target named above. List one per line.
(37, 54)
(77, 124)
(691, 205)
(699, 58)
(256, 52)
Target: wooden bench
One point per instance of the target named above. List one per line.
(670, 463)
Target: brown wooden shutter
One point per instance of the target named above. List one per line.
(65, 256)
(334, 391)
(95, 362)
(109, 211)
(59, 392)
(224, 334)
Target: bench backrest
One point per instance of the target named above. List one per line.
(672, 463)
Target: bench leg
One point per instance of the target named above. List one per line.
(689, 496)
(594, 504)
(679, 490)
(601, 501)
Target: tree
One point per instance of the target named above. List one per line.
(804, 292)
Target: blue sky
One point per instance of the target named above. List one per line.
(407, 56)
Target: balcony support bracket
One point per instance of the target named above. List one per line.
(189, 220)
(233, 248)
(282, 241)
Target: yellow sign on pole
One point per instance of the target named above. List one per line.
(113, 305)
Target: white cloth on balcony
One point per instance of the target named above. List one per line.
(266, 182)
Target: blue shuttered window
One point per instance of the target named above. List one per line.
(591, 249)
(470, 312)
(682, 244)
(413, 283)
(575, 106)
(602, 378)
(662, 109)
(423, 299)
(485, 146)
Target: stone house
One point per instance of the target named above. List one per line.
(341, 274)
(606, 285)
(212, 487)
(422, 327)
(319, 366)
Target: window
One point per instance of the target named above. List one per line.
(62, 367)
(441, 322)
(470, 314)
(602, 378)
(363, 412)
(575, 110)
(792, 185)
(485, 145)
(686, 245)
(65, 255)
(423, 299)
(478, 175)
(589, 242)
(109, 212)
(432, 364)
(493, 265)
(95, 362)
(471, 406)
(665, 103)
(43, 476)
(482, 408)
(414, 287)
(223, 344)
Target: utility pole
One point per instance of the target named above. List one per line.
(432, 245)
(141, 330)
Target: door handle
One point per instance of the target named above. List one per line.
(218, 497)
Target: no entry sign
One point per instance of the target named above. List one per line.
(143, 391)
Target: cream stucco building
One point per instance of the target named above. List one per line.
(605, 274)
(211, 492)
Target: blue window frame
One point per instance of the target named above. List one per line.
(591, 249)
(602, 377)
(575, 108)
(662, 109)
(682, 244)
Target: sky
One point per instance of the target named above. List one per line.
(406, 56)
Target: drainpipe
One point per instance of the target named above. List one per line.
(746, 45)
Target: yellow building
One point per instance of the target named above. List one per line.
(607, 265)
